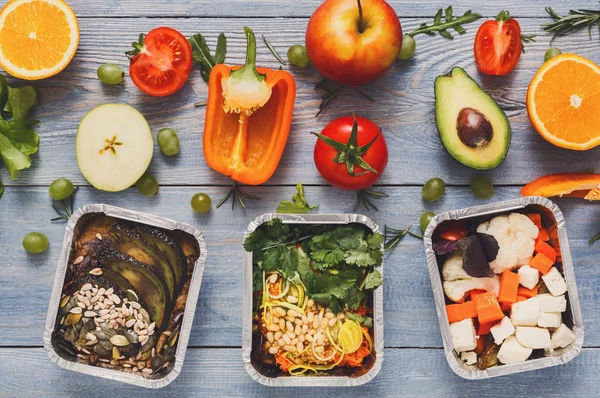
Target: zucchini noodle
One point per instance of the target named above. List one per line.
(314, 368)
(366, 334)
(320, 358)
(289, 306)
(332, 341)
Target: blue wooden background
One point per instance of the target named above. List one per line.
(414, 362)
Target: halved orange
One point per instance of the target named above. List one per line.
(38, 38)
(563, 102)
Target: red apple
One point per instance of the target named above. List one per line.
(353, 42)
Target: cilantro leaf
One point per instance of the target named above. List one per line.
(360, 256)
(373, 280)
(298, 205)
(366, 321)
(257, 280)
(201, 53)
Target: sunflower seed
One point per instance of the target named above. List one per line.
(86, 287)
(86, 351)
(82, 356)
(151, 326)
(140, 324)
(104, 360)
(96, 272)
(148, 371)
(86, 301)
(101, 291)
(143, 339)
(153, 352)
(90, 336)
(78, 260)
(94, 299)
(96, 307)
(76, 310)
(150, 332)
(126, 365)
(108, 302)
(104, 312)
(130, 323)
(90, 314)
(135, 369)
(115, 299)
(99, 236)
(136, 305)
(143, 332)
(81, 305)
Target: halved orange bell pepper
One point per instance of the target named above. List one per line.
(584, 185)
(248, 118)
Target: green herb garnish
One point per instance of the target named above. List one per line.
(201, 53)
(595, 238)
(393, 236)
(336, 264)
(526, 39)
(235, 193)
(574, 20)
(18, 139)
(367, 321)
(450, 23)
(273, 51)
(1, 189)
(67, 207)
(298, 205)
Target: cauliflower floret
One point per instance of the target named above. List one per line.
(453, 268)
(516, 236)
(457, 290)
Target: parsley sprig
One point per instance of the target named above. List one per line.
(336, 264)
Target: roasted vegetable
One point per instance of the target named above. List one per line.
(489, 356)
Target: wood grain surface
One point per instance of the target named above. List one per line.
(414, 363)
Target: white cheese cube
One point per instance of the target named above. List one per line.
(469, 357)
(532, 337)
(549, 319)
(563, 336)
(511, 351)
(555, 282)
(464, 337)
(549, 303)
(528, 276)
(502, 330)
(525, 313)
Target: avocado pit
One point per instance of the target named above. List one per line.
(474, 129)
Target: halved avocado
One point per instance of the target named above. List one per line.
(472, 127)
(160, 243)
(141, 277)
(127, 240)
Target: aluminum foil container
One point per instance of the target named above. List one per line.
(190, 306)
(572, 317)
(309, 381)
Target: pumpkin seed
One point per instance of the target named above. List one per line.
(76, 310)
(72, 319)
(119, 340)
(116, 353)
(157, 362)
(173, 339)
(131, 295)
(64, 301)
(145, 315)
(106, 344)
(145, 355)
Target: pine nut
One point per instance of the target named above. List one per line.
(341, 316)
(274, 327)
(275, 319)
(277, 335)
(298, 322)
(290, 318)
(273, 278)
(324, 322)
(321, 340)
(279, 311)
(289, 325)
(292, 313)
(280, 342)
(294, 341)
(316, 323)
(300, 347)
(301, 338)
(273, 350)
(310, 303)
(291, 334)
(309, 338)
(332, 321)
(304, 329)
(329, 315)
(304, 319)
(282, 324)
(292, 299)
(297, 330)
(286, 338)
(290, 348)
(270, 337)
(319, 349)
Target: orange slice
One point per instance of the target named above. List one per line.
(38, 38)
(574, 185)
(563, 102)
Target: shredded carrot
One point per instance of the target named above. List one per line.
(355, 359)
(284, 363)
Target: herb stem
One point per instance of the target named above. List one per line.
(595, 238)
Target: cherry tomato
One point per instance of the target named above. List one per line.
(452, 230)
(163, 63)
(498, 45)
(331, 160)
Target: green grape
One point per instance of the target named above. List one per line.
(201, 203)
(433, 189)
(61, 189)
(298, 56)
(147, 185)
(168, 142)
(481, 187)
(551, 53)
(426, 219)
(408, 47)
(110, 74)
(35, 242)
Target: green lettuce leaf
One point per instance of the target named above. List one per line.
(20, 100)
(298, 205)
(14, 159)
(21, 134)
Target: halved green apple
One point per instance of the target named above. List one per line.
(114, 146)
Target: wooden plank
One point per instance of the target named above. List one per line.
(220, 373)
(410, 318)
(291, 8)
(403, 107)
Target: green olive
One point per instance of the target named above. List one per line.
(433, 189)
(426, 219)
(482, 187)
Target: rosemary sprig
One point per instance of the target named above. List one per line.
(364, 196)
(574, 20)
(67, 210)
(450, 22)
(236, 193)
(273, 51)
(526, 39)
(393, 236)
(330, 93)
(200, 103)
(595, 238)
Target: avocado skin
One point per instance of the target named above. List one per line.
(493, 153)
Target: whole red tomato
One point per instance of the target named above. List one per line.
(498, 45)
(351, 153)
(161, 62)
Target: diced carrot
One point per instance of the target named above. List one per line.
(484, 328)
(541, 263)
(488, 308)
(523, 291)
(544, 235)
(476, 292)
(509, 284)
(506, 306)
(459, 312)
(522, 298)
(545, 249)
(480, 345)
(537, 219)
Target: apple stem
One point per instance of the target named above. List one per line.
(361, 27)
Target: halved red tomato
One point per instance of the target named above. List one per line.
(498, 45)
(161, 62)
